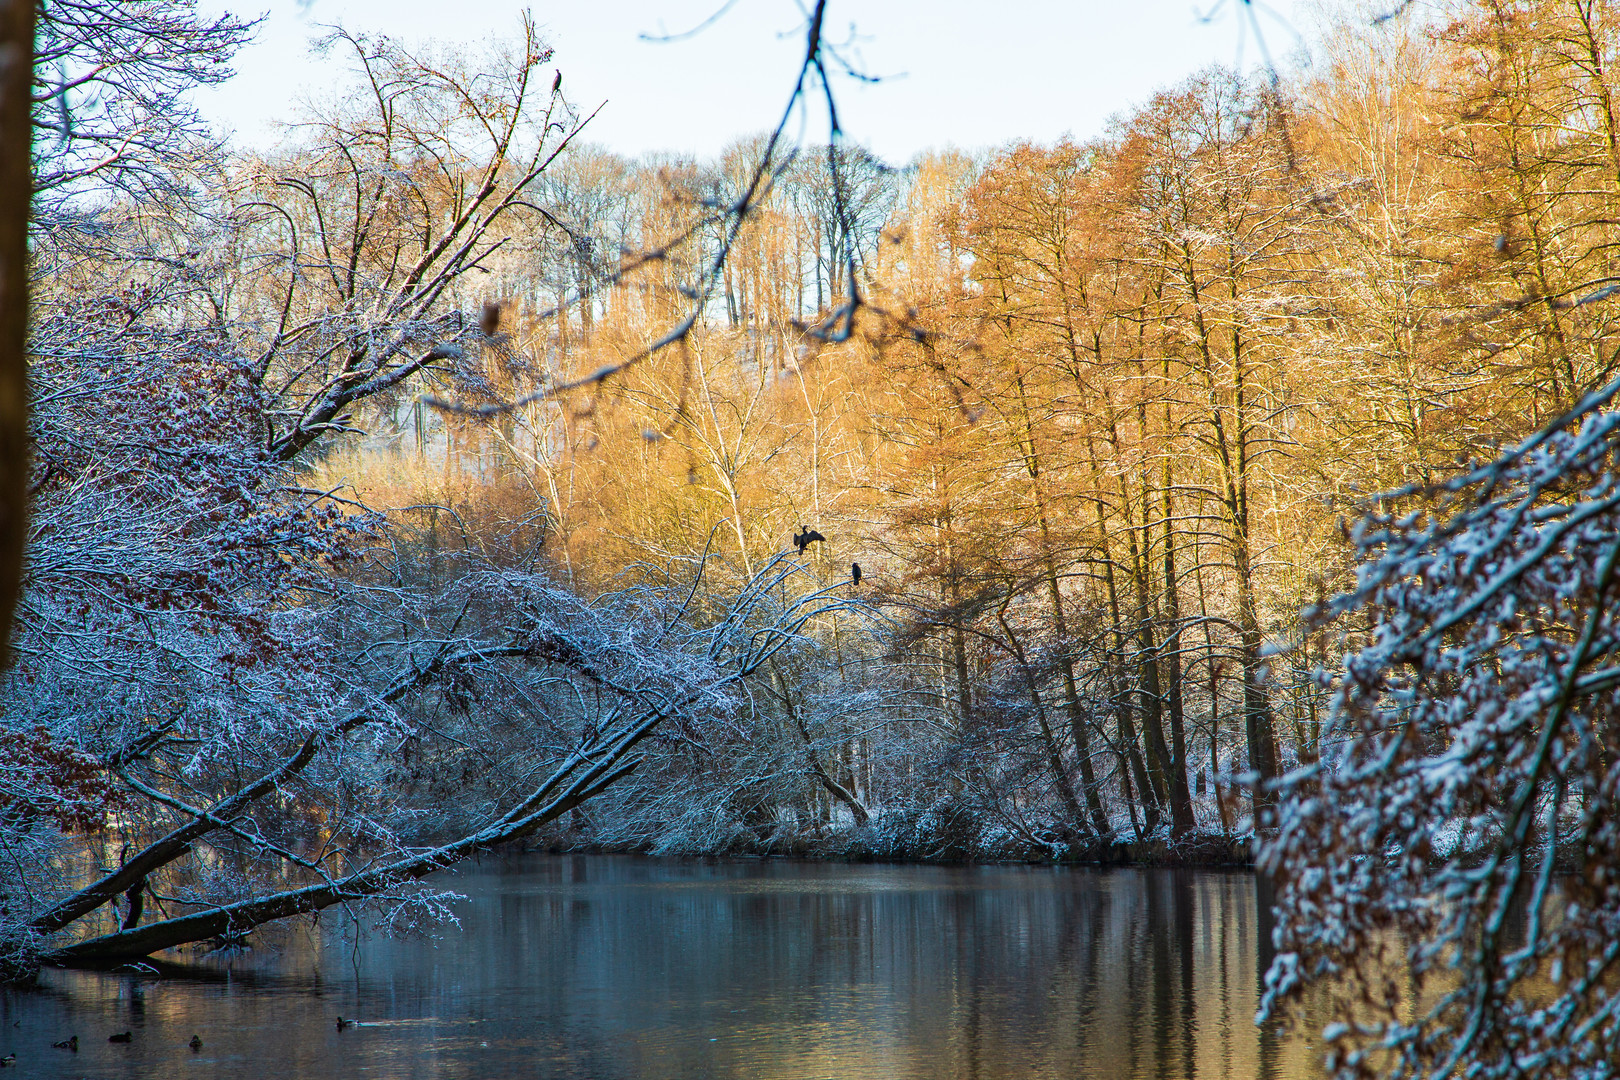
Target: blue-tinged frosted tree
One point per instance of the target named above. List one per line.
(1448, 874)
(233, 693)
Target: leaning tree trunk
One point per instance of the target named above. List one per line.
(582, 776)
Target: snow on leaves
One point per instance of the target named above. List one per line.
(168, 549)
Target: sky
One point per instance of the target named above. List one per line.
(962, 73)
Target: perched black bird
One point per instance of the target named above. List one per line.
(71, 1043)
(805, 537)
(556, 84)
(122, 1036)
(195, 1043)
(855, 572)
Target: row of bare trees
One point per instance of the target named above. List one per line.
(1067, 443)
(428, 483)
(1104, 418)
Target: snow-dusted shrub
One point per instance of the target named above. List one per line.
(1472, 757)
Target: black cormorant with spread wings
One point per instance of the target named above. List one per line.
(805, 537)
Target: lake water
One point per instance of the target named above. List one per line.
(610, 967)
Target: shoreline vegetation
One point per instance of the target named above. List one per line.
(1197, 851)
(434, 480)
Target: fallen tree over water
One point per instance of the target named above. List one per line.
(684, 678)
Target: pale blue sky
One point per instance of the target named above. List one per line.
(957, 72)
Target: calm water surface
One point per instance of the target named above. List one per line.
(610, 967)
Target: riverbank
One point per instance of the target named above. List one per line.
(1198, 849)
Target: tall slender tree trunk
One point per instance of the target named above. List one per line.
(1078, 728)
(1049, 743)
(1232, 455)
(1170, 669)
(1125, 705)
(958, 640)
(1147, 664)
(813, 760)
(16, 193)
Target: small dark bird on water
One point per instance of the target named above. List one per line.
(342, 1023)
(71, 1043)
(805, 537)
(855, 572)
(8, 1061)
(195, 1043)
(122, 1036)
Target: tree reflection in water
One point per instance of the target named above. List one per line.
(605, 967)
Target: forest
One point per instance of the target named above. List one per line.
(1235, 486)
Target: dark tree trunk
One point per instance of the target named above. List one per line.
(1170, 669)
(16, 192)
(136, 898)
